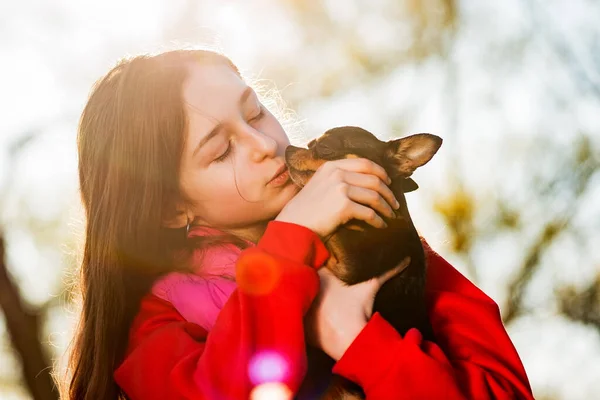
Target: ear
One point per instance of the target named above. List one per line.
(175, 219)
(407, 154)
(408, 185)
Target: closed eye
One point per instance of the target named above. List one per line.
(257, 117)
(323, 151)
(226, 154)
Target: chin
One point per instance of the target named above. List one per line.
(289, 193)
(275, 205)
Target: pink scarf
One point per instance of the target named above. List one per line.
(199, 297)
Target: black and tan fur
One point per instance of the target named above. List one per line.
(359, 251)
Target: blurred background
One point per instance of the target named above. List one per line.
(512, 199)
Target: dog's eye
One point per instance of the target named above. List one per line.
(324, 151)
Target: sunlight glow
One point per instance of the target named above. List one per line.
(271, 391)
(267, 366)
(257, 274)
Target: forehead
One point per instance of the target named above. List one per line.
(212, 87)
(350, 132)
(350, 138)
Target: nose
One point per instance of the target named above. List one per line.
(261, 145)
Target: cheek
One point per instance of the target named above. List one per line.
(208, 187)
(217, 190)
(272, 128)
(214, 197)
(221, 204)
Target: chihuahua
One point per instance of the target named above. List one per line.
(359, 252)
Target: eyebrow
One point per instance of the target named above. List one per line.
(217, 129)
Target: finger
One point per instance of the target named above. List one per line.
(366, 214)
(371, 198)
(362, 165)
(393, 272)
(372, 182)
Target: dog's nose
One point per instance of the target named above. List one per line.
(290, 150)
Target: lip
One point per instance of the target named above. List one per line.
(280, 171)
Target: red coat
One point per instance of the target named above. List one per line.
(170, 358)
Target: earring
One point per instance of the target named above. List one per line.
(187, 228)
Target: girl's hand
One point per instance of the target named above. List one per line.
(339, 191)
(340, 312)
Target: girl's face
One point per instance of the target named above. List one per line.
(234, 147)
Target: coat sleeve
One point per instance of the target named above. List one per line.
(473, 357)
(169, 358)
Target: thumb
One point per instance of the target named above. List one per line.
(393, 272)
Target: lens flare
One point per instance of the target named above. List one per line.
(271, 391)
(267, 366)
(257, 274)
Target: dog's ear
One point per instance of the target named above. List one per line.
(408, 185)
(406, 154)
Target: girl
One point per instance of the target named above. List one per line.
(201, 273)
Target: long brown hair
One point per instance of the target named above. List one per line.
(130, 142)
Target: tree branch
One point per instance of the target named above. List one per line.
(24, 331)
